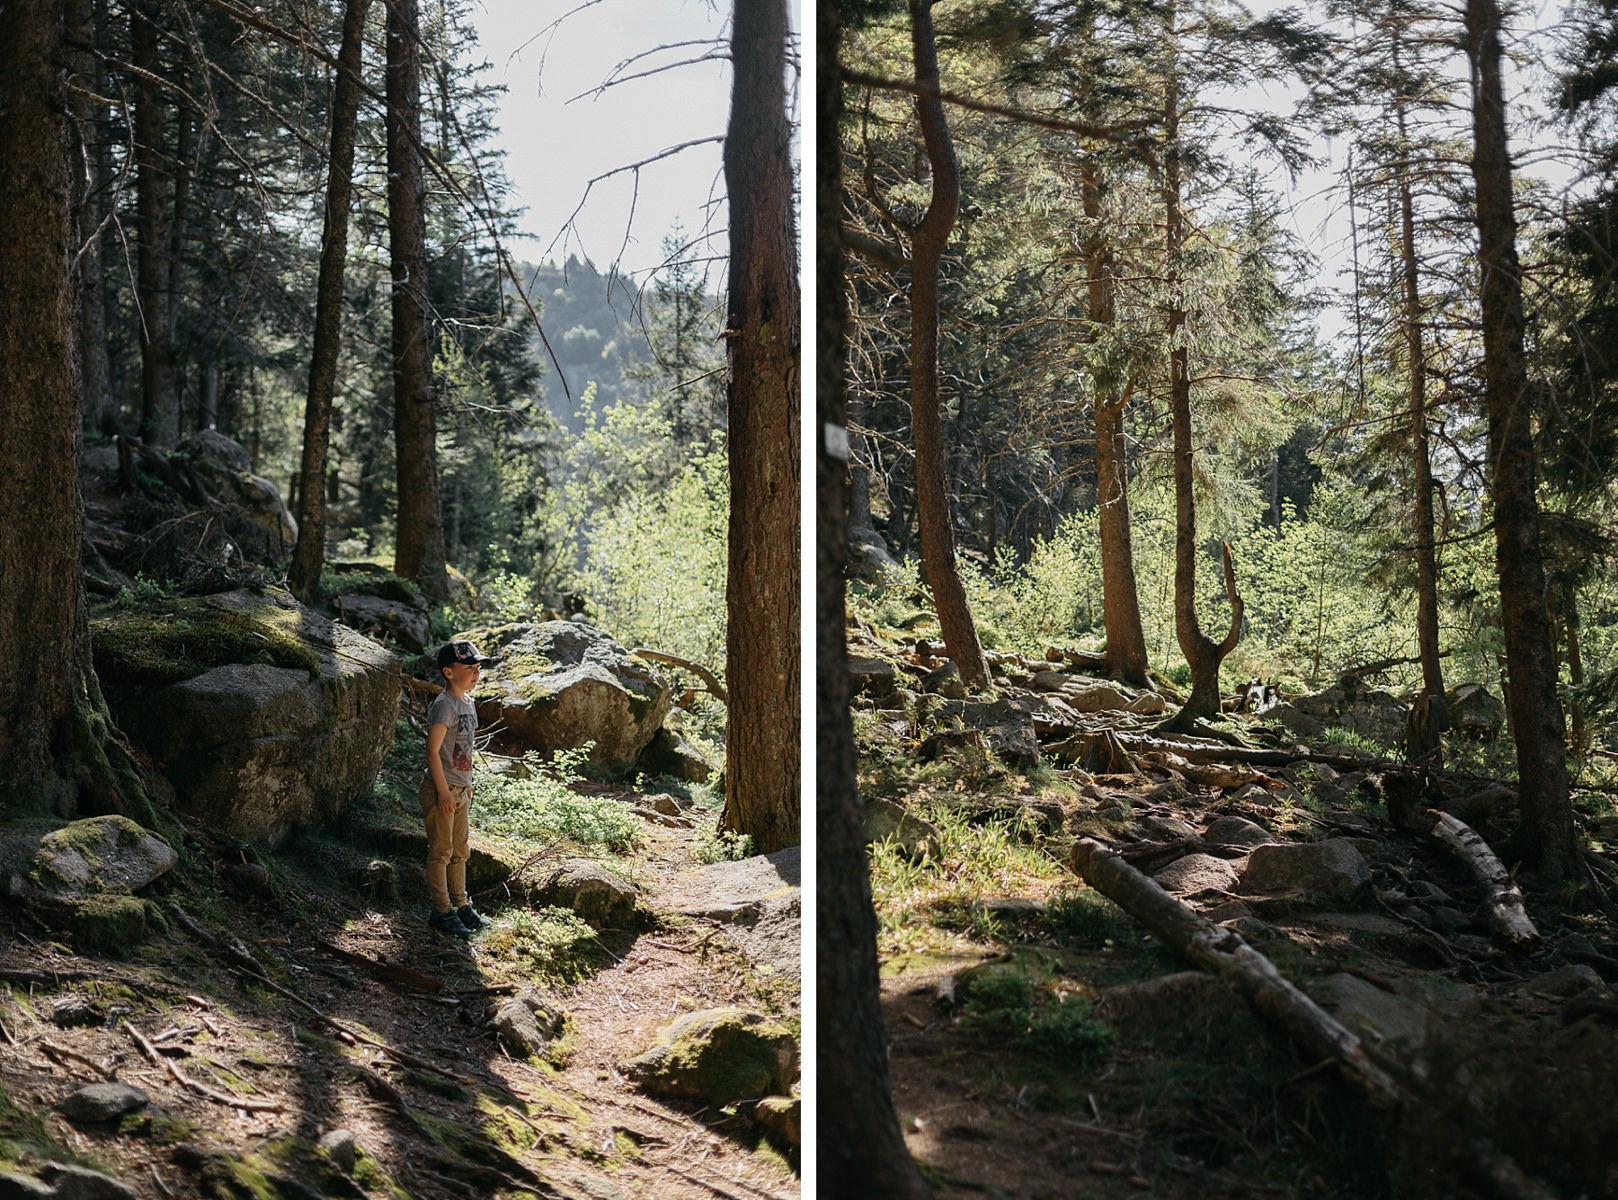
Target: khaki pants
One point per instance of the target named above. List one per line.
(446, 846)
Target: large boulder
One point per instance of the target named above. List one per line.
(108, 854)
(224, 469)
(1371, 713)
(289, 728)
(556, 685)
(717, 1058)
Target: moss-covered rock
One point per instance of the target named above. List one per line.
(559, 684)
(717, 1057)
(281, 719)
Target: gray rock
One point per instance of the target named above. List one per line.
(24, 1187)
(868, 556)
(886, 819)
(1197, 873)
(874, 677)
(69, 1182)
(1237, 831)
(1385, 1020)
(341, 1146)
(559, 684)
(405, 622)
(717, 1057)
(1475, 712)
(102, 1102)
(528, 1022)
(1331, 868)
(1565, 982)
(759, 899)
(224, 468)
(254, 750)
(590, 890)
(945, 680)
(671, 756)
(95, 856)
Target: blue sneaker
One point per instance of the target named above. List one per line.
(450, 923)
(472, 918)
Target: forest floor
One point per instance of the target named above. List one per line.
(1045, 1044)
(373, 1024)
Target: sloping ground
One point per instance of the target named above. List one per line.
(259, 1025)
(1044, 1044)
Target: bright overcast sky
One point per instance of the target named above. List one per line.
(546, 52)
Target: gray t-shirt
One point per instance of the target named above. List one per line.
(455, 751)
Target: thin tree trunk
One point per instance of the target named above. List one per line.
(862, 1152)
(1126, 638)
(762, 646)
(927, 250)
(419, 539)
(1546, 839)
(160, 404)
(1425, 742)
(98, 407)
(310, 555)
(1202, 654)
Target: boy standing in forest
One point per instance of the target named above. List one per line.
(446, 790)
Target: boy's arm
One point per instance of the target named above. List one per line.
(435, 767)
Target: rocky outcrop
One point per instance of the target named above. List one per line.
(556, 685)
(255, 748)
(224, 470)
(98, 855)
(717, 1058)
(1369, 712)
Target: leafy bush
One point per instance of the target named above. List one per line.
(543, 807)
(549, 944)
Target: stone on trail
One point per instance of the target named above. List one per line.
(1331, 868)
(716, 1058)
(758, 900)
(590, 890)
(1197, 873)
(96, 856)
(101, 1102)
(528, 1022)
(1237, 831)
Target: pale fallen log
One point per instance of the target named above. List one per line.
(709, 679)
(1223, 952)
(1210, 750)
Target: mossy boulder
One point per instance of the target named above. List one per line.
(80, 879)
(556, 685)
(716, 1058)
(263, 714)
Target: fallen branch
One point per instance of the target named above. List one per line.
(201, 1089)
(1223, 952)
(386, 972)
(708, 677)
(65, 1054)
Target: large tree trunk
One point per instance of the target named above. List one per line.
(419, 540)
(304, 575)
(862, 1152)
(762, 646)
(1546, 839)
(1202, 654)
(53, 726)
(927, 250)
(1126, 638)
(154, 176)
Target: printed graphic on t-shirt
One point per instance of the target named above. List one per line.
(461, 759)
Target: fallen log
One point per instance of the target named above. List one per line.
(1222, 952)
(709, 679)
(1076, 747)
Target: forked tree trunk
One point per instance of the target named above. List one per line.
(762, 648)
(304, 576)
(1202, 654)
(58, 754)
(1546, 839)
(1126, 638)
(927, 250)
(419, 549)
(862, 1152)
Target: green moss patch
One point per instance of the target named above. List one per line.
(156, 648)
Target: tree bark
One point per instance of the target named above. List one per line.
(419, 539)
(862, 1152)
(1428, 747)
(1202, 654)
(1126, 637)
(1546, 839)
(154, 177)
(304, 576)
(97, 405)
(59, 755)
(762, 647)
(927, 250)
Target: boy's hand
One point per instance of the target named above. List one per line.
(446, 801)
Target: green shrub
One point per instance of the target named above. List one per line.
(543, 807)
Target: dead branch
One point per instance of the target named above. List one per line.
(386, 972)
(67, 1053)
(1222, 952)
(1507, 915)
(201, 1089)
(701, 672)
